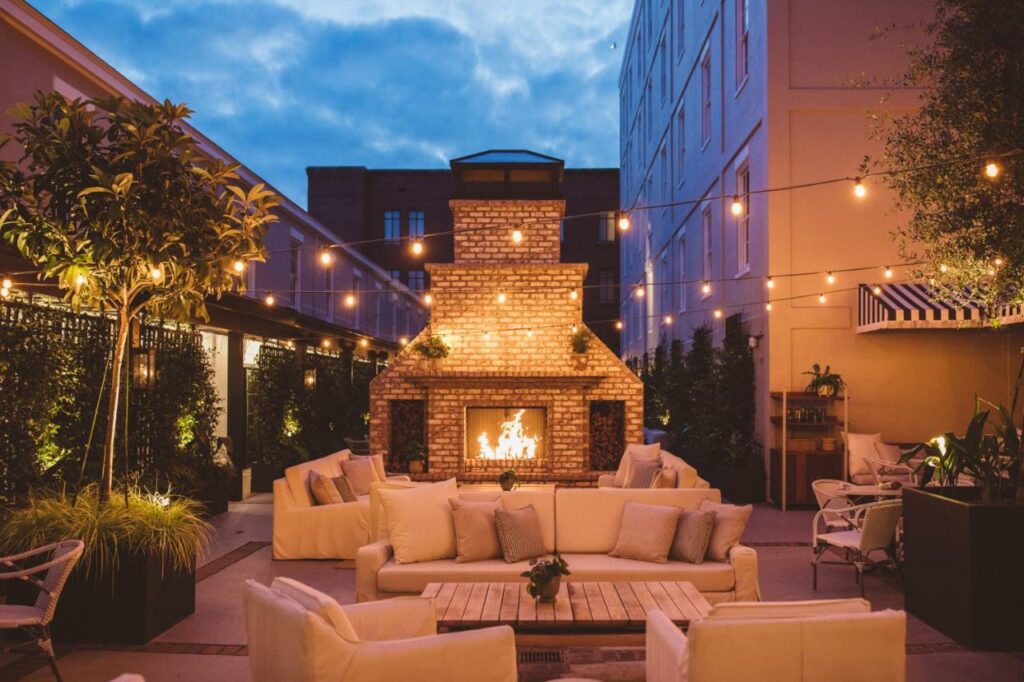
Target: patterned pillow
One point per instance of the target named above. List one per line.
(344, 487)
(324, 490)
(665, 477)
(693, 535)
(641, 474)
(519, 533)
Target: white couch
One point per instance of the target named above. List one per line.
(686, 475)
(582, 524)
(838, 640)
(304, 529)
(297, 634)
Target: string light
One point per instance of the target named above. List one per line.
(888, 272)
(428, 299)
(737, 206)
(7, 283)
(350, 300)
(574, 328)
(529, 333)
(326, 257)
(517, 236)
(269, 300)
(156, 274)
(768, 307)
(502, 297)
(770, 283)
(718, 313)
(998, 262)
(821, 298)
(618, 325)
(943, 267)
(876, 290)
(417, 247)
(668, 319)
(573, 294)
(830, 278)
(992, 169)
(623, 222)
(5, 292)
(705, 287)
(402, 340)
(859, 190)
(487, 336)
(638, 291)
(326, 343)
(364, 342)
(239, 266)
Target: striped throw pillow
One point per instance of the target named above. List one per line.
(693, 535)
(641, 475)
(519, 533)
(324, 491)
(344, 487)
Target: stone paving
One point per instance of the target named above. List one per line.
(210, 644)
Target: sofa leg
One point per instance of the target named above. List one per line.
(860, 576)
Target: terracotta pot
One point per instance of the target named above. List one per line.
(416, 466)
(547, 593)
(579, 360)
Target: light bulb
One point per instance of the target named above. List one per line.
(830, 278)
(326, 258)
(623, 223)
(573, 294)
(638, 292)
(705, 287)
(618, 325)
(5, 292)
(768, 307)
(876, 290)
(943, 268)
(326, 343)
(417, 247)
(269, 300)
(859, 190)
(238, 266)
(7, 283)
(821, 298)
(517, 236)
(350, 300)
(156, 274)
(364, 342)
(80, 280)
(992, 169)
(487, 335)
(668, 319)
(718, 313)
(575, 327)
(998, 262)
(737, 206)
(529, 333)
(770, 283)
(403, 340)
(888, 272)
(428, 299)
(502, 297)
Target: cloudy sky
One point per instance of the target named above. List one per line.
(285, 84)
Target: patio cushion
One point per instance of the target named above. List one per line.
(519, 534)
(361, 474)
(860, 445)
(646, 531)
(730, 522)
(634, 452)
(543, 501)
(686, 475)
(317, 602)
(298, 477)
(788, 609)
(15, 615)
(419, 520)
(842, 538)
(378, 465)
(476, 534)
(641, 474)
(414, 577)
(692, 537)
(324, 490)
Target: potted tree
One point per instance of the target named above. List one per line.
(416, 457)
(508, 479)
(432, 350)
(546, 577)
(580, 342)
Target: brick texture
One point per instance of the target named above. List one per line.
(515, 354)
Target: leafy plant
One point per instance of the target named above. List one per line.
(580, 340)
(168, 527)
(824, 382)
(114, 200)
(415, 452)
(542, 572)
(508, 479)
(432, 347)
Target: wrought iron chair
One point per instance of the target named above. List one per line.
(891, 472)
(35, 619)
(873, 528)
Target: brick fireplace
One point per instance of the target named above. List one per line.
(510, 393)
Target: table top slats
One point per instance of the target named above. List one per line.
(457, 607)
(634, 611)
(475, 604)
(431, 590)
(578, 602)
(701, 604)
(683, 604)
(443, 599)
(510, 602)
(598, 609)
(491, 611)
(527, 606)
(546, 610)
(665, 602)
(646, 599)
(616, 611)
(563, 606)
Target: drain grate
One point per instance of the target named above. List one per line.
(541, 656)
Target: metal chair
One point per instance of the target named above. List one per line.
(832, 502)
(890, 472)
(873, 528)
(35, 619)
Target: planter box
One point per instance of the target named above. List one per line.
(263, 476)
(133, 608)
(964, 566)
(214, 495)
(739, 485)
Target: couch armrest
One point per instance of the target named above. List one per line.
(606, 481)
(283, 500)
(399, 618)
(486, 655)
(399, 478)
(667, 653)
(744, 563)
(369, 560)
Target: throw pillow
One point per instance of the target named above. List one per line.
(317, 602)
(519, 533)
(646, 532)
(888, 452)
(730, 522)
(666, 477)
(635, 452)
(378, 524)
(476, 531)
(641, 474)
(360, 473)
(344, 487)
(378, 465)
(858, 445)
(324, 490)
(419, 521)
(693, 535)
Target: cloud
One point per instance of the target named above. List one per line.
(285, 84)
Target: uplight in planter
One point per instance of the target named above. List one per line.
(143, 368)
(309, 378)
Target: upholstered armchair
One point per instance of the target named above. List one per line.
(839, 640)
(298, 634)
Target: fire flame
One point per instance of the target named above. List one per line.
(513, 443)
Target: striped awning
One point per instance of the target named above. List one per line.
(913, 306)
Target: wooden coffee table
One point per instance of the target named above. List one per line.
(585, 613)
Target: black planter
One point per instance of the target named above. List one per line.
(133, 606)
(964, 566)
(214, 494)
(741, 484)
(264, 475)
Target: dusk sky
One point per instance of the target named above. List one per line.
(285, 84)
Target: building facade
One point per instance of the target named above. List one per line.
(723, 100)
(382, 210)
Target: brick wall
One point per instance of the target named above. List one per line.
(515, 353)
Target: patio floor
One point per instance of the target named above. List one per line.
(210, 644)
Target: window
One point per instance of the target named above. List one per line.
(395, 275)
(680, 147)
(663, 61)
(295, 268)
(665, 173)
(680, 26)
(417, 280)
(392, 225)
(561, 231)
(663, 292)
(416, 223)
(606, 228)
(647, 109)
(681, 274)
(705, 224)
(743, 220)
(742, 41)
(606, 286)
(705, 97)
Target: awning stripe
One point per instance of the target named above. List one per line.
(914, 305)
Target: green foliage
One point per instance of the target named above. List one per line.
(971, 110)
(508, 478)
(171, 528)
(580, 340)
(431, 347)
(654, 373)
(824, 382)
(415, 452)
(541, 573)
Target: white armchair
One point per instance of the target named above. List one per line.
(835, 640)
(297, 634)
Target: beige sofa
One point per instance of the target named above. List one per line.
(686, 475)
(582, 524)
(305, 530)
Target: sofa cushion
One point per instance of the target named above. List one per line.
(543, 501)
(587, 519)
(378, 465)
(646, 531)
(361, 474)
(730, 522)
(788, 609)
(317, 602)
(324, 490)
(476, 533)
(666, 477)
(519, 534)
(641, 473)
(693, 535)
(297, 477)
(860, 445)
(634, 452)
(378, 522)
(419, 520)
(344, 488)
(711, 576)
(686, 475)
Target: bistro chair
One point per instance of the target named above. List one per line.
(832, 502)
(873, 528)
(49, 578)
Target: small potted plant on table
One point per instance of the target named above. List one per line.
(546, 577)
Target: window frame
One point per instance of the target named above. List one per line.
(397, 236)
(742, 43)
(606, 229)
(421, 223)
(705, 97)
(743, 220)
(606, 286)
(296, 244)
(681, 286)
(707, 245)
(680, 150)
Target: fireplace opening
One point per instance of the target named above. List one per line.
(505, 434)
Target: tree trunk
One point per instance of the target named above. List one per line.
(123, 328)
